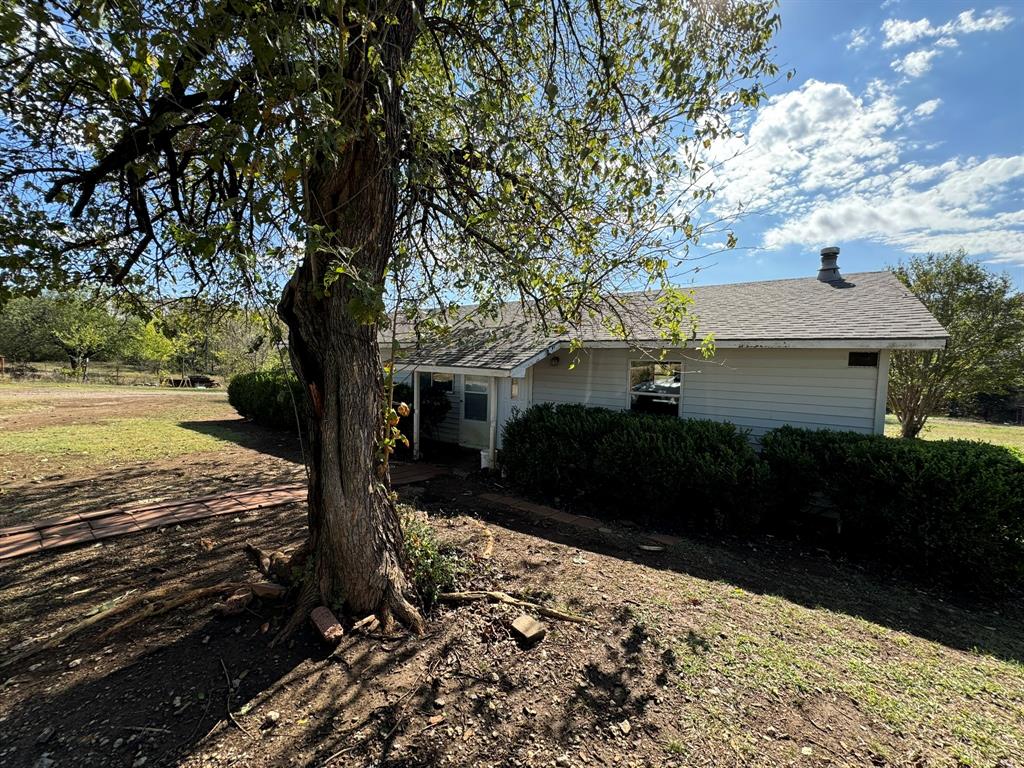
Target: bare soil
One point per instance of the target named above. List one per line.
(728, 653)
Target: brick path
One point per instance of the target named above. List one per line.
(87, 527)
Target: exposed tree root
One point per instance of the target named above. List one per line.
(504, 597)
(282, 565)
(160, 607)
(308, 599)
(157, 606)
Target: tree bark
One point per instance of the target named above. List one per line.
(353, 556)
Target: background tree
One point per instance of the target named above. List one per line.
(546, 152)
(27, 324)
(152, 348)
(84, 330)
(985, 353)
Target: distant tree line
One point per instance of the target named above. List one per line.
(176, 341)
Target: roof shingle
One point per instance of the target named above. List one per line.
(868, 306)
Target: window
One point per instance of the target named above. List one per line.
(654, 387)
(474, 399)
(441, 381)
(864, 359)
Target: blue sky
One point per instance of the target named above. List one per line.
(902, 132)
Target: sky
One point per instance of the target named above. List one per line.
(901, 132)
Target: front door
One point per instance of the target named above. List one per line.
(473, 428)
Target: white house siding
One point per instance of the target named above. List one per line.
(506, 405)
(599, 378)
(760, 389)
(756, 389)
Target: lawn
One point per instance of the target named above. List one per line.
(940, 428)
(707, 653)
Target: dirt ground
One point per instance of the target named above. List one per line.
(706, 654)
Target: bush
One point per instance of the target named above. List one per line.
(949, 510)
(674, 474)
(264, 397)
(430, 568)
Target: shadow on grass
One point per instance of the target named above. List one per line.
(778, 568)
(173, 477)
(283, 444)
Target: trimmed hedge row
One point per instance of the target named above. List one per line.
(949, 511)
(263, 397)
(660, 471)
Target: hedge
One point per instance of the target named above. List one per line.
(668, 473)
(263, 397)
(951, 510)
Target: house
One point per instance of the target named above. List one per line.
(810, 352)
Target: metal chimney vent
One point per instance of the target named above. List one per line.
(829, 272)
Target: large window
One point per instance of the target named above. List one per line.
(441, 381)
(654, 387)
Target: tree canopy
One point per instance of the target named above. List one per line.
(430, 154)
(985, 353)
(545, 152)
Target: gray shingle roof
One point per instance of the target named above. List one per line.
(866, 306)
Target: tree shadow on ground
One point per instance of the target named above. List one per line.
(282, 443)
(161, 689)
(778, 568)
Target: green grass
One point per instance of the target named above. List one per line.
(940, 428)
(119, 440)
(743, 645)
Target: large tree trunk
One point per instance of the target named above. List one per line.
(354, 553)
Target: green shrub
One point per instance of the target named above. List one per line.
(674, 474)
(264, 397)
(951, 511)
(430, 568)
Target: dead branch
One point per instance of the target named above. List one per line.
(504, 597)
(115, 610)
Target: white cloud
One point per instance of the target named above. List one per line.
(903, 32)
(820, 137)
(927, 108)
(830, 166)
(916, 63)
(857, 38)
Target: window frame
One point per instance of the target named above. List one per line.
(645, 361)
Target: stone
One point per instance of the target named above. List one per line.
(74, 663)
(562, 760)
(529, 629)
(44, 735)
(139, 761)
(272, 718)
(327, 625)
(440, 701)
(625, 727)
